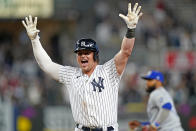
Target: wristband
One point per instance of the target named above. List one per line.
(130, 33)
(155, 124)
(145, 123)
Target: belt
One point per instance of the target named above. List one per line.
(84, 128)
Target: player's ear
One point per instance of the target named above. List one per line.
(158, 83)
(77, 58)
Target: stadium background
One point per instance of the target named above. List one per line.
(165, 40)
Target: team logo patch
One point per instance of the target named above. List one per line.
(98, 84)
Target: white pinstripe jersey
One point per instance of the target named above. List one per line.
(93, 99)
(157, 99)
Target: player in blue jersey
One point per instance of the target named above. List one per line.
(160, 107)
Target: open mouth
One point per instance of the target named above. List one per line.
(84, 62)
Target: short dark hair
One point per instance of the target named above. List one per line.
(96, 56)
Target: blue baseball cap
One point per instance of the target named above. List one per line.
(154, 75)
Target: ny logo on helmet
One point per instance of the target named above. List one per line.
(99, 84)
(83, 43)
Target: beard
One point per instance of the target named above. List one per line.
(150, 89)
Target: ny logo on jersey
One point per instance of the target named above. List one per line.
(99, 84)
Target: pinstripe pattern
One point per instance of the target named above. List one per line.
(92, 108)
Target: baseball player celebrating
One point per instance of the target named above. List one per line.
(160, 108)
(93, 88)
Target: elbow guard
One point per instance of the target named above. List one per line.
(167, 106)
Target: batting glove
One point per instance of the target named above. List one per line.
(30, 26)
(132, 17)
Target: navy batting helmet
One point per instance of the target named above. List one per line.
(86, 44)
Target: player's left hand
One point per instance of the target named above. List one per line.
(133, 16)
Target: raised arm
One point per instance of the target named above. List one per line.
(42, 58)
(131, 20)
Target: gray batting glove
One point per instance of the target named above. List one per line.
(133, 16)
(31, 27)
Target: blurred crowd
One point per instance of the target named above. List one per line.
(163, 27)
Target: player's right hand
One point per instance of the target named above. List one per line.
(30, 26)
(134, 124)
